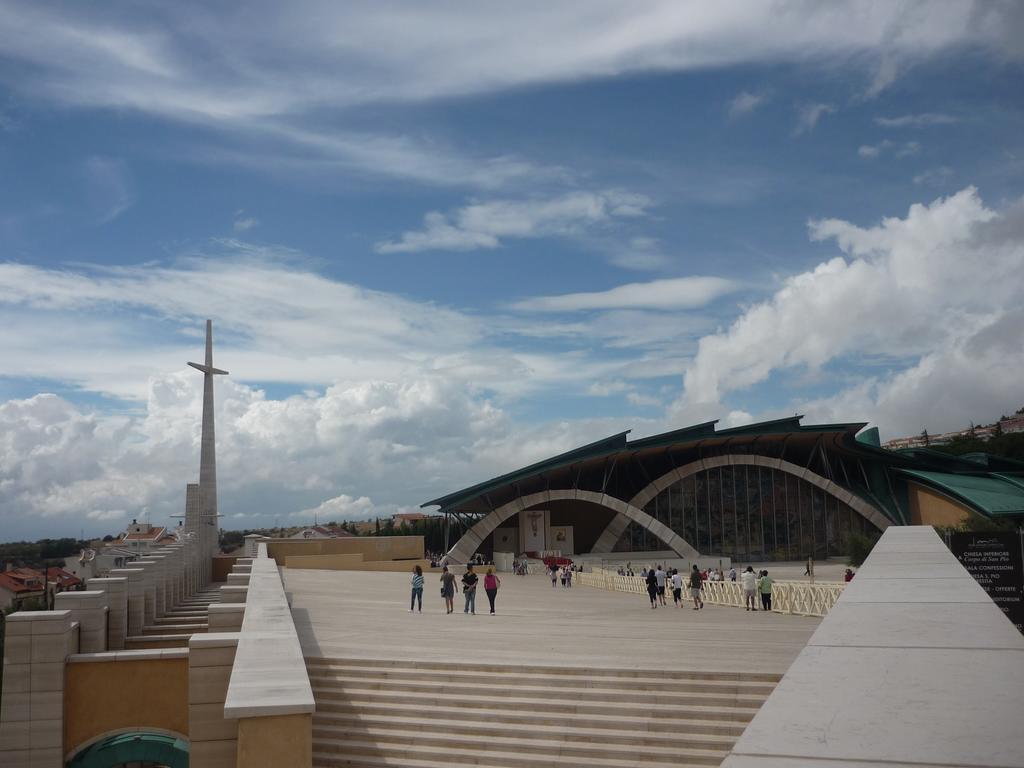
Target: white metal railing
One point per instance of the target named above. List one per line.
(792, 597)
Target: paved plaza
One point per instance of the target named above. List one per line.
(353, 614)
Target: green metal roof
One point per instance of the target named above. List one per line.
(993, 495)
(616, 443)
(133, 748)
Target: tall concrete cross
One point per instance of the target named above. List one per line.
(207, 448)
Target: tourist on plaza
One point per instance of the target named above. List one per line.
(677, 588)
(696, 584)
(417, 588)
(652, 588)
(469, 580)
(848, 576)
(765, 585)
(749, 583)
(491, 584)
(660, 576)
(732, 574)
(448, 589)
(554, 575)
(568, 579)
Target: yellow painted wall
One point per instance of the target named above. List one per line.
(272, 742)
(930, 508)
(221, 567)
(372, 548)
(348, 563)
(105, 696)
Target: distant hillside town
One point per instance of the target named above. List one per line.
(1007, 425)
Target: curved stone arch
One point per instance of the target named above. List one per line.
(466, 546)
(614, 530)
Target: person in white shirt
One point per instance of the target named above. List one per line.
(661, 576)
(749, 582)
(732, 574)
(677, 588)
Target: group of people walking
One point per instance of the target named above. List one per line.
(658, 579)
(470, 581)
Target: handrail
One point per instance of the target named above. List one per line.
(269, 674)
(792, 597)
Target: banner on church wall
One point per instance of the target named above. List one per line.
(533, 526)
(506, 540)
(560, 538)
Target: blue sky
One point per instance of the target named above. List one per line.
(438, 242)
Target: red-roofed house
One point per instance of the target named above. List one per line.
(62, 579)
(20, 584)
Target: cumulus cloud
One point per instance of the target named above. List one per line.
(670, 293)
(940, 287)
(809, 115)
(343, 507)
(481, 226)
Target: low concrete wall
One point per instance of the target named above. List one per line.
(372, 548)
(352, 563)
(110, 692)
(914, 665)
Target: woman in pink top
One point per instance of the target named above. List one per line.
(491, 584)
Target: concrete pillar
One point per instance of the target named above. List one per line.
(212, 738)
(136, 598)
(230, 593)
(36, 647)
(159, 584)
(89, 609)
(148, 568)
(116, 588)
(237, 579)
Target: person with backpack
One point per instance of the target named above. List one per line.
(696, 585)
(765, 586)
(469, 580)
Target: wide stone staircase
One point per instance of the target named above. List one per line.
(416, 714)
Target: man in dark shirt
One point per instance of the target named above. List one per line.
(469, 580)
(696, 584)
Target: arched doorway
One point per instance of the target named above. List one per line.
(138, 749)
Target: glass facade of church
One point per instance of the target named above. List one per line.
(750, 513)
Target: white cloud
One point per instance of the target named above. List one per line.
(746, 102)
(922, 119)
(111, 190)
(641, 253)
(669, 293)
(481, 226)
(934, 176)
(243, 223)
(873, 151)
(809, 115)
(343, 507)
(280, 59)
(922, 289)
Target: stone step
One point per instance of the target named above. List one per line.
(416, 729)
(330, 760)
(181, 618)
(710, 720)
(170, 629)
(531, 694)
(157, 641)
(552, 671)
(575, 705)
(516, 757)
(652, 683)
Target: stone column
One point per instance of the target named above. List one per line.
(148, 568)
(116, 588)
(89, 609)
(32, 707)
(159, 584)
(136, 591)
